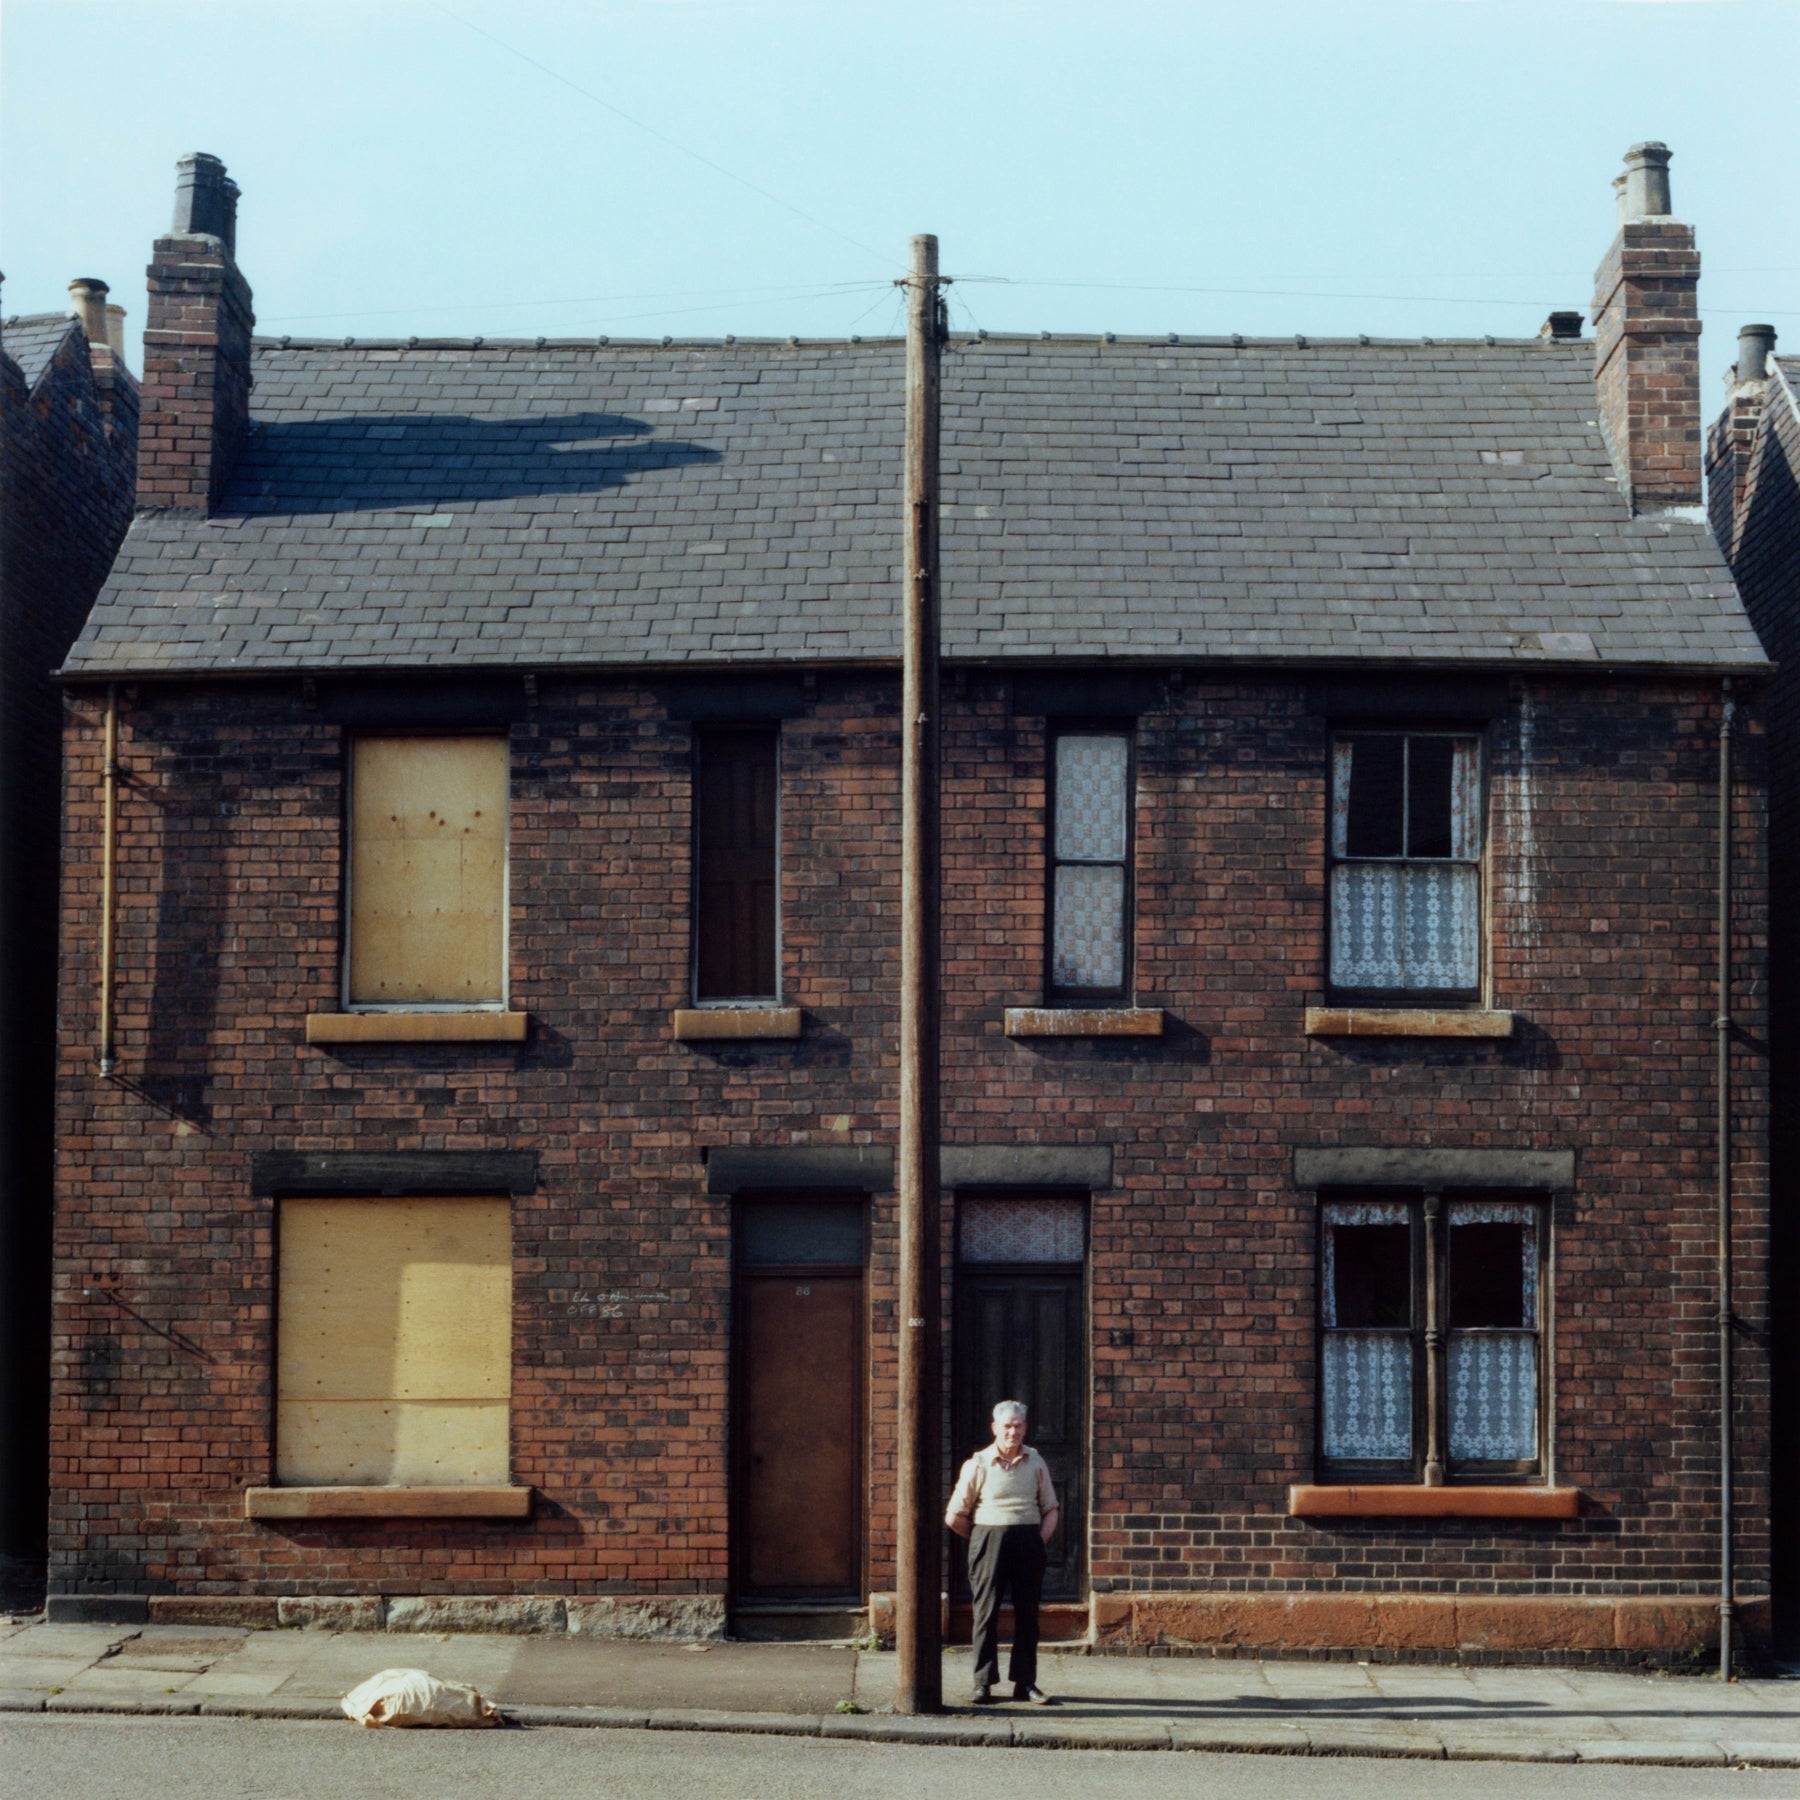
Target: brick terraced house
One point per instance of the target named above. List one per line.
(1753, 491)
(488, 1214)
(68, 461)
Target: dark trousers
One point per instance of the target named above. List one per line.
(1006, 1558)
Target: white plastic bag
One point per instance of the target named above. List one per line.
(411, 1697)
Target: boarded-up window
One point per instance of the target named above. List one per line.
(393, 1342)
(427, 871)
(734, 865)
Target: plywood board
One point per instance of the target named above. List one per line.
(393, 1339)
(428, 870)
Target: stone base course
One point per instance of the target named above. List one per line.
(1486, 1627)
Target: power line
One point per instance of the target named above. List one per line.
(661, 137)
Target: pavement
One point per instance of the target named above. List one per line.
(837, 1691)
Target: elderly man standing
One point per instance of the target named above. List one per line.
(1005, 1505)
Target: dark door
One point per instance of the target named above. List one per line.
(798, 1431)
(1019, 1336)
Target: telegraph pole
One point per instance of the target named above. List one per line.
(919, 1571)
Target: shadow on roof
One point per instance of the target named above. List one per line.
(417, 462)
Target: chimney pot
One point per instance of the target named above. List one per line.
(1561, 325)
(115, 329)
(1646, 182)
(88, 297)
(1756, 344)
(206, 199)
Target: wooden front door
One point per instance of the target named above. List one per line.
(798, 1431)
(1019, 1336)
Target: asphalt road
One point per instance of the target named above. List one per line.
(95, 1758)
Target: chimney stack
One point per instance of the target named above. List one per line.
(1731, 443)
(1647, 341)
(87, 297)
(115, 331)
(196, 381)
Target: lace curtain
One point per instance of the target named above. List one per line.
(1368, 1395)
(1087, 942)
(1493, 1396)
(1408, 923)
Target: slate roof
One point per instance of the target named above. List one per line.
(31, 340)
(588, 504)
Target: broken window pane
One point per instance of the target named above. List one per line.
(1428, 785)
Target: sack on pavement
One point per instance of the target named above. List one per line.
(411, 1697)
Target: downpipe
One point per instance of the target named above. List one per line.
(109, 832)
(1722, 1034)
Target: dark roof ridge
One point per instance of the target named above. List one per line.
(957, 340)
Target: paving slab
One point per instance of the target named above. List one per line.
(271, 1706)
(613, 1717)
(20, 1700)
(1676, 1753)
(1042, 1732)
(963, 1728)
(786, 1678)
(1268, 1736)
(1761, 1755)
(41, 1672)
(103, 1678)
(1513, 1747)
(109, 1700)
(90, 1642)
(213, 1683)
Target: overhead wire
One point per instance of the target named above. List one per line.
(661, 137)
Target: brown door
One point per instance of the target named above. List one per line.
(1019, 1337)
(799, 1426)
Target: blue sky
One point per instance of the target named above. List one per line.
(1401, 167)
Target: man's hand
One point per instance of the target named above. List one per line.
(961, 1523)
(1047, 1530)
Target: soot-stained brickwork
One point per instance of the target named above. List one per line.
(1602, 863)
(68, 443)
(1754, 495)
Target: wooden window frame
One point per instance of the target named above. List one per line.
(1054, 993)
(375, 1007)
(1476, 996)
(702, 735)
(1430, 1330)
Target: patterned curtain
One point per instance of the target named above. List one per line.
(1405, 925)
(1368, 1395)
(1493, 1396)
(1023, 1231)
(1087, 940)
(1088, 947)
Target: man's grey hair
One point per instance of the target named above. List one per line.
(1010, 1409)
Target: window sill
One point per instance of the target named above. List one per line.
(387, 1503)
(702, 1024)
(1083, 1021)
(1406, 1021)
(417, 1028)
(1409, 1502)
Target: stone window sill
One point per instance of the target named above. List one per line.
(1406, 1021)
(417, 1028)
(704, 1024)
(1408, 1502)
(1083, 1021)
(387, 1503)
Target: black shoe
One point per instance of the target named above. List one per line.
(1031, 1692)
(983, 1695)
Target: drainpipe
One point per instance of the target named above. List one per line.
(109, 825)
(1722, 1029)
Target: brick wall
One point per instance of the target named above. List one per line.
(1202, 1282)
(68, 447)
(1764, 547)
